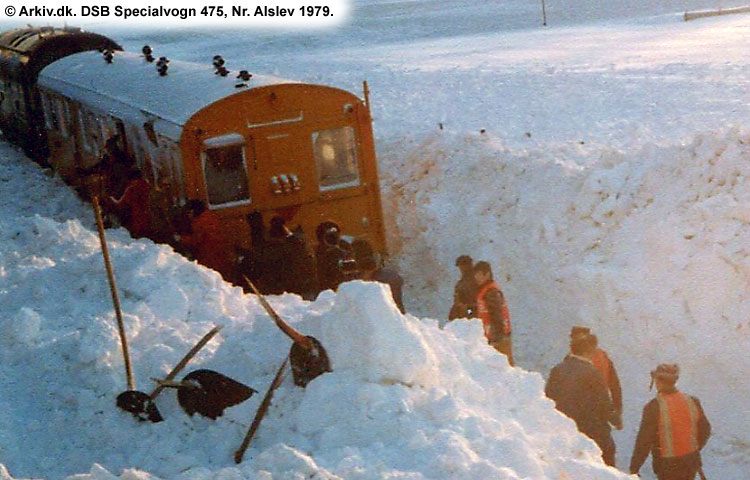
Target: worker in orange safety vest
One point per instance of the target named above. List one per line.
(673, 429)
(207, 241)
(493, 311)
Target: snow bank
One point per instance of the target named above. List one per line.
(406, 399)
(648, 247)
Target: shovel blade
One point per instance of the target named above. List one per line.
(308, 364)
(210, 393)
(140, 405)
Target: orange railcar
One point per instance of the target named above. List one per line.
(301, 151)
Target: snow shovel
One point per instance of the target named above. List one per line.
(261, 412)
(178, 368)
(203, 391)
(308, 357)
(131, 400)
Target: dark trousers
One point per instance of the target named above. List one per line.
(608, 449)
(505, 346)
(678, 474)
(684, 468)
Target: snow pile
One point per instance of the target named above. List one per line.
(648, 247)
(406, 399)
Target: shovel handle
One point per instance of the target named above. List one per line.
(188, 356)
(261, 412)
(113, 290)
(290, 331)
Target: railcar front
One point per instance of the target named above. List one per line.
(239, 143)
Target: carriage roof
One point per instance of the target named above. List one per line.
(132, 88)
(25, 51)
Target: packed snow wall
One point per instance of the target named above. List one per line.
(648, 247)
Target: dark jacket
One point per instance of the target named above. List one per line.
(464, 298)
(331, 264)
(302, 266)
(391, 278)
(283, 265)
(648, 442)
(578, 390)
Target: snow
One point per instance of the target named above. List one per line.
(609, 189)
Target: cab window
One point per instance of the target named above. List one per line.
(225, 171)
(336, 158)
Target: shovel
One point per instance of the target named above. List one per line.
(203, 391)
(261, 412)
(308, 357)
(131, 400)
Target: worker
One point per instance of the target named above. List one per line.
(465, 290)
(207, 242)
(577, 388)
(674, 429)
(493, 311)
(606, 367)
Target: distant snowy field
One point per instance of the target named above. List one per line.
(610, 189)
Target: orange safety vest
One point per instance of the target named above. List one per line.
(601, 362)
(678, 425)
(484, 313)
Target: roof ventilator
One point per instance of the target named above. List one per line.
(219, 66)
(162, 65)
(147, 51)
(244, 76)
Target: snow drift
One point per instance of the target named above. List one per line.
(647, 246)
(406, 399)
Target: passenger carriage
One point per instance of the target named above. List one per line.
(24, 52)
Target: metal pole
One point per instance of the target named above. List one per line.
(544, 15)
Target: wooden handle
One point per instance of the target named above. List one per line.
(290, 331)
(261, 412)
(113, 290)
(189, 356)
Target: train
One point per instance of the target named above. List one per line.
(239, 141)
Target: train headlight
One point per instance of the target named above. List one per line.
(295, 181)
(285, 183)
(275, 185)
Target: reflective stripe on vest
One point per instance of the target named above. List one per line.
(678, 425)
(601, 362)
(484, 313)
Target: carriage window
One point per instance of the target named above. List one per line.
(84, 131)
(63, 116)
(336, 158)
(50, 120)
(226, 175)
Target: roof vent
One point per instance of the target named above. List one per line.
(244, 76)
(162, 65)
(219, 66)
(147, 51)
